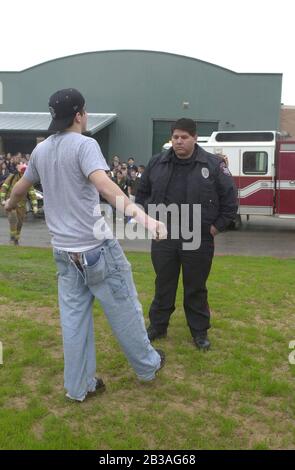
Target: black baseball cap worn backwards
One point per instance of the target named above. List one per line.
(63, 106)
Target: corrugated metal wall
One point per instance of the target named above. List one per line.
(141, 86)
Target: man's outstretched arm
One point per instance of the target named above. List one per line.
(113, 194)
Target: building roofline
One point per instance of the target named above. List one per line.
(96, 122)
(142, 51)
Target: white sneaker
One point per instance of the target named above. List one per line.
(75, 399)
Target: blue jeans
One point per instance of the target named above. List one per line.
(103, 273)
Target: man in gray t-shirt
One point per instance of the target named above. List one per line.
(63, 163)
(71, 169)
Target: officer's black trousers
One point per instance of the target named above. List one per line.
(168, 258)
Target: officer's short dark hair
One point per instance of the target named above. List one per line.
(185, 124)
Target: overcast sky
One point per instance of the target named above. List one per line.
(242, 35)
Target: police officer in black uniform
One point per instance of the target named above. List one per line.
(186, 174)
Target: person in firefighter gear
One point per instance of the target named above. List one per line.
(16, 216)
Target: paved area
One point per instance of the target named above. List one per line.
(261, 236)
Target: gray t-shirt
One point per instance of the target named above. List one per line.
(63, 163)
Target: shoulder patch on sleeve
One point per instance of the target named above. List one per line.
(224, 169)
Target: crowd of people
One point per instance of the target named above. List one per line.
(126, 175)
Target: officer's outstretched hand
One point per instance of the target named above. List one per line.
(213, 231)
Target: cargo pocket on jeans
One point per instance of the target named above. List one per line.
(118, 286)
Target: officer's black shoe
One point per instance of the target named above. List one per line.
(202, 341)
(154, 333)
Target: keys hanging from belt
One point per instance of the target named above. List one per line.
(77, 259)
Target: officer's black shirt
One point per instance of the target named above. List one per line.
(177, 187)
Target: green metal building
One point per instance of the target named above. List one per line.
(133, 96)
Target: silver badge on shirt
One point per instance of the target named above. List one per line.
(205, 172)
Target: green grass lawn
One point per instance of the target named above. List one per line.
(239, 395)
